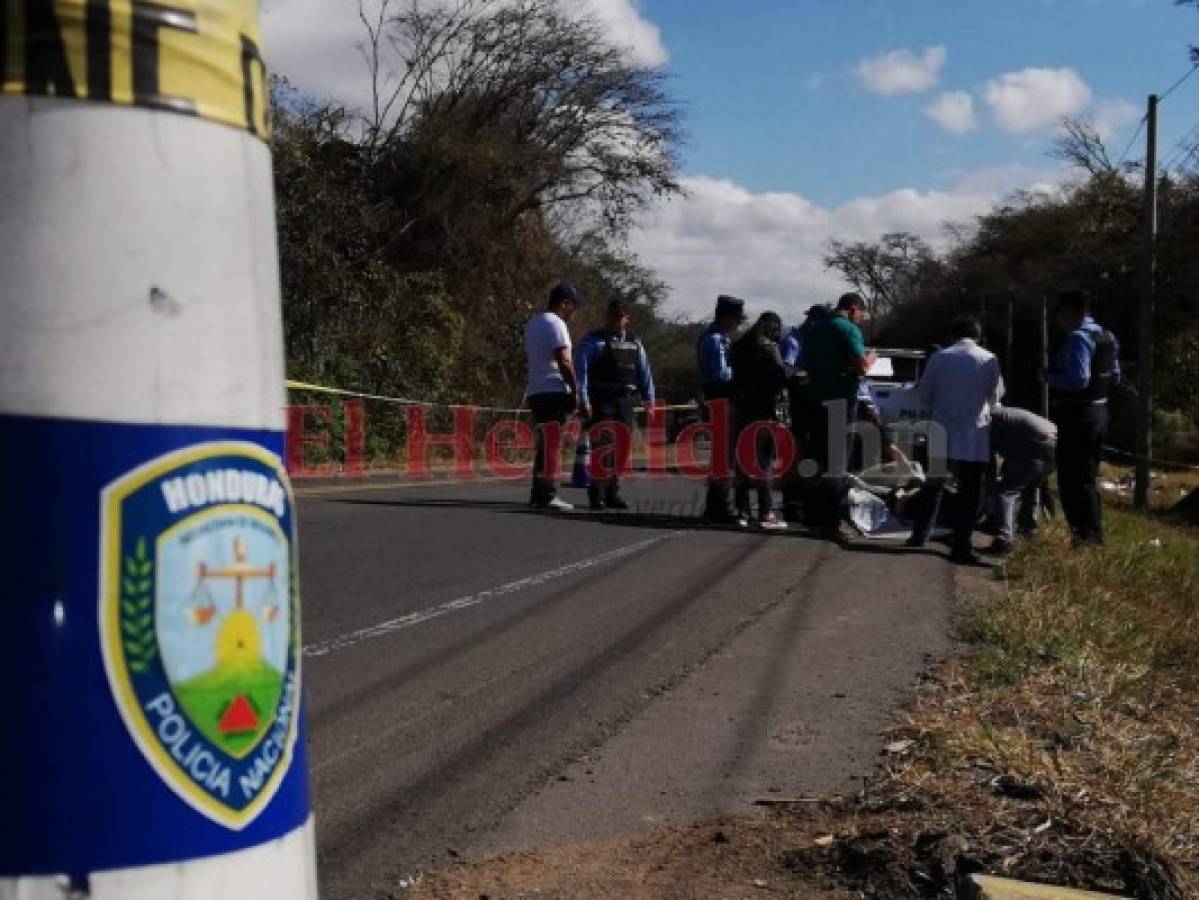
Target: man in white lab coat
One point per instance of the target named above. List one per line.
(959, 385)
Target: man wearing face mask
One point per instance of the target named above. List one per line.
(758, 378)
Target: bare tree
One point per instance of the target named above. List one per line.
(884, 273)
(567, 119)
(1081, 145)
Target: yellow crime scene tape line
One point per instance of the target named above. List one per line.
(402, 401)
(408, 401)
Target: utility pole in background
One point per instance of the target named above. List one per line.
(1144, 446)
(1007, 338)
(1044, 355)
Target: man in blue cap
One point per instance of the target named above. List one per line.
(612, 368)
(552, 391)
(716, 370)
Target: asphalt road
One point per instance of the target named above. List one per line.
(481, 677)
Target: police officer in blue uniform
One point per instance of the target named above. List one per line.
(715, 366)
(1085, 368)
(611, 368)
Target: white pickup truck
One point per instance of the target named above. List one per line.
(892, 380)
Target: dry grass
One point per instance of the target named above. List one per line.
(1083, 690)
(1168, 487)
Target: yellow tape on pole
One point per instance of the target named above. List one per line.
(194, 57)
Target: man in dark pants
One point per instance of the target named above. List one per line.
(791, 350)
(959, 385)
(611, 367)
(552, 392)
(835, 357)
(758, 378)
(716, 370)
(1084, 370)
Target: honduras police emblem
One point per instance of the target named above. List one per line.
(198, 616)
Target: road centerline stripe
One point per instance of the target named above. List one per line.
(409, 620)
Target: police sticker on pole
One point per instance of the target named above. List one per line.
(199, 624)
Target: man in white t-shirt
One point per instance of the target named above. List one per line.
(552, 392)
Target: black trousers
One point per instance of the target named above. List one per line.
(764, 455)
(1081, 430)
(828, 445)
(716, 506)
(798, 411)
(606, 449)
(548, 410)
(970, 477)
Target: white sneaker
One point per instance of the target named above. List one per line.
(772, 523)
(558, 504)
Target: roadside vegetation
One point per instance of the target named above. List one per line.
(511, 143)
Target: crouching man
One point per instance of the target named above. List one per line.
(1026, 445)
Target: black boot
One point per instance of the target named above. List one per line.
(613, 500)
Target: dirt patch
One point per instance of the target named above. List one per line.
(892, 847)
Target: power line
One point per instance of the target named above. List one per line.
(1178, 83)
(1175, 86)
(1136, 134)
(1184, 148)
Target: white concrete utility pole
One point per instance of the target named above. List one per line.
(153, 741)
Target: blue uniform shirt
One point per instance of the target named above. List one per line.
(1071, 368)
(713, 351)
(791, 349)
(589, 351)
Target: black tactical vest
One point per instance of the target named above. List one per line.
(1103, 368)
(616, 367)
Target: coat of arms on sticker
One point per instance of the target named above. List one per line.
(199, 622)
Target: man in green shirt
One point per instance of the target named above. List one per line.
(835, 358)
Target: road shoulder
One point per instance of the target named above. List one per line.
(794, 705)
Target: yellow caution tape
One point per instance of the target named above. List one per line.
(408, 401)
(194, 57)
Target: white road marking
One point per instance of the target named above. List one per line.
(324, 648)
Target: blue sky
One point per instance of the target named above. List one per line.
(773, 102)
(812, 120)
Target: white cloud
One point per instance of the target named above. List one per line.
(627, 27)
(769, 247)
(314, 42)
(901, 71)
(1032, 99)
(1113, 115)
(954, 112)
